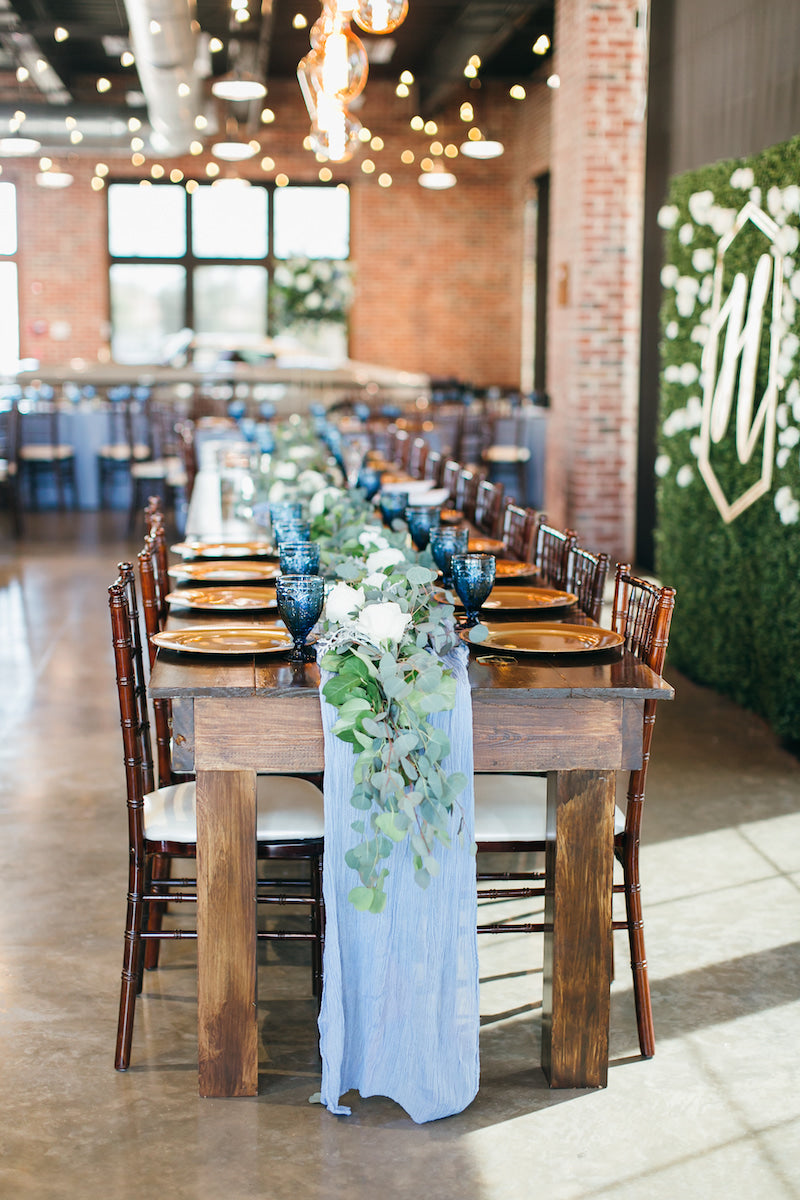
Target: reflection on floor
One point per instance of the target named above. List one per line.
(715, 1113)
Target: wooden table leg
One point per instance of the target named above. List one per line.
(226, 933)
(577, 953)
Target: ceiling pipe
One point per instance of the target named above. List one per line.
(164, 41)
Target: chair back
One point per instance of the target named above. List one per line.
(471, 432)
(450, 473)
(400, 448)
(417, 457)
(642, 613)
(518, 531)
(551, 553)
(433, 467)
(467, 483)
(126, 641)
(154, 585)
(586, 578)
(489, 507)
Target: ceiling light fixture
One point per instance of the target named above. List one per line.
(54, 179)
(437, 181)
(480, 147)
(238, 87)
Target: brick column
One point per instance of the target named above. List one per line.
(597, 200)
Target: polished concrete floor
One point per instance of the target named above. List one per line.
(716, 1113)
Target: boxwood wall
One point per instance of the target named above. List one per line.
(737, 617)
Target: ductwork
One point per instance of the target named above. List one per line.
(164, 42)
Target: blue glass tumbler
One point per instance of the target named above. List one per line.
(473, 580)
(393, 505)
(285, 510)
(299, 558)
(300, 601)
(291, 531)
(369, 480)
(445, 541)
(420, 522)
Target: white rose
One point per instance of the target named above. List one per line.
(313, 481)
(372, 535)
(313, 301)
(380, 559)
(667, 216)
(324, 500)
(303, 282)
(298, 452)
(286, 470)
(343, 603)
(383, 623)
(699, 204)
(378, 579)
(278, 491)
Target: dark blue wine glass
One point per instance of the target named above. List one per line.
(299, 558)
(291, 531)
(393, 505)
(369, 480)
(445, 541)
(473, 580)
(420, 521)
(300, 600)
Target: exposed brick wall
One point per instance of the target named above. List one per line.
(598, 143)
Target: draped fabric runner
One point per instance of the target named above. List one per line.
(399, 1014)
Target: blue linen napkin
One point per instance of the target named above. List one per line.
(399, 1015)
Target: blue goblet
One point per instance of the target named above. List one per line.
(291, 531)
(420, 522)
(473, 580)
(300, 600)
(447, 540)
(369, 480)
(299, 558)
(393, 505)
(285, 510)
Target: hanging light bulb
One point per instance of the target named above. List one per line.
(380, 16)
(343, 62)
(334, 132)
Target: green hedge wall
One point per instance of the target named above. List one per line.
(737, 617)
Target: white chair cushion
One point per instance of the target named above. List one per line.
(288, 809)
(513, 808)
(45, 453)
(506, 454)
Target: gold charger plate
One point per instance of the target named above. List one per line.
(510, 599)
(235, 599)
(509, 568)
(225, 572)
(545, 639)
(486, 545)
(225, 639)
(199, 548)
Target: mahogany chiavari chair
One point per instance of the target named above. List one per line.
(511, 810)
(551, 553)
(417, 457)
(489, 507)
(162, 825)
(467, 485)
(586, 578)
(433, 467)
(450, 473)
(518, 531)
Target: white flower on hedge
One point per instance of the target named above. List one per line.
(313, 301)
(672, 373)
(669, 275)
(283, 276)
(742, 178)
(775, 202)
(695, 446)
(687, 284)
(721, 219)
(667, 215)
(790, 513)
(703, 259)
(783, 496)
(344, 603)
(787, 239)
(303, 282)
(383, 623)
(791, 198)
(684, 302)
(672, 330)
(686, 234)
(699, 335)
(699, 204)
(372, 535)
(324, 500)
(794, 285)
(788, 267)
(674, 423)
(755, 195)
(379, 560)
(789, 437)
(684, 476)
(688, 373)
(782, 457)
(662, 465)
(706, 289)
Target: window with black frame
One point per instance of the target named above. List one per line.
(242, 266)
(9, 287)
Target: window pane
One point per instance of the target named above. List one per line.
(147, 306)
(231, 301)
(146, 222)
(312, 221)
(8, 218)
(9, 326)
(229, 222)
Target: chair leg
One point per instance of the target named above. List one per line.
(131, 965)
(318, 919)
(155, 912)
(641, 983)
